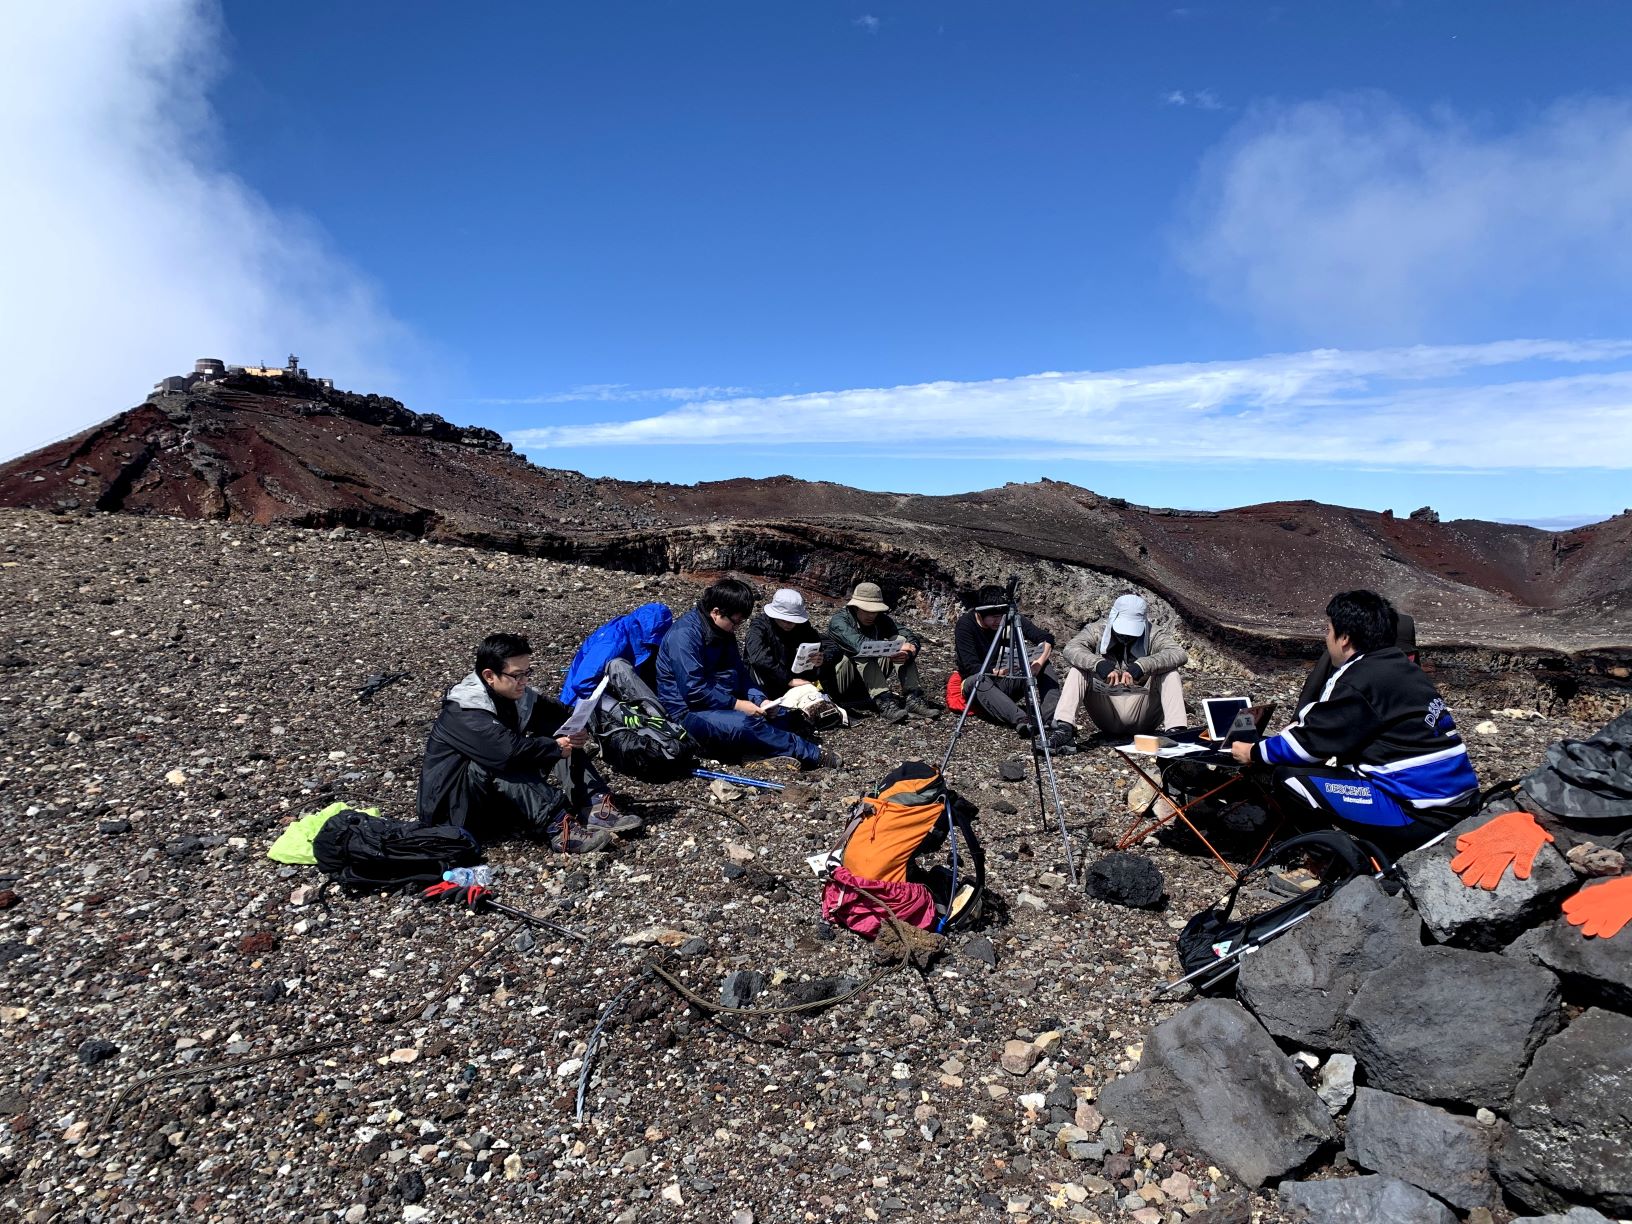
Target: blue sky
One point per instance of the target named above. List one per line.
(1198, 255)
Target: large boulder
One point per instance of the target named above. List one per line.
(1442, 1024)
(1362, 1200)
(1575, 1215)
(1571, 1136)
(1301, 984)
(1595, 971)
(1212, 1079)
(1446, 1155)
(1475, 917)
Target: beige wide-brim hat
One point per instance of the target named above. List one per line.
(869, 597)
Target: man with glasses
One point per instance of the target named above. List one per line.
(494, 764)
(704, 685)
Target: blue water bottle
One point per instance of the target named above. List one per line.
(466, 877)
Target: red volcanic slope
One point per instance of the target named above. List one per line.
(277, 451)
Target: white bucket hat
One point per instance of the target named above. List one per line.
(787, 605)
(1128, 615)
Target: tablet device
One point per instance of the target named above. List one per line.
(1220, 712)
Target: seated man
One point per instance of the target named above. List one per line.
(625, 651)
(1405, 637)
(865, 684)
(494, 765)
(1125, 671)
(704, 685)
(1400, 773)
(774, 636)
(999, 694)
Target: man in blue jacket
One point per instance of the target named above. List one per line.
(625, 651)
(1378, 752)
(704, 686)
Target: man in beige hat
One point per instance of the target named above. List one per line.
(866, 683)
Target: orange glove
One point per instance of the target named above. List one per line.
(1601, 909)
(1509, 839)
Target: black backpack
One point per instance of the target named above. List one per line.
(363, 853)
(1215, 932)
(643, 745)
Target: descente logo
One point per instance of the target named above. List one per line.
(1436, 707)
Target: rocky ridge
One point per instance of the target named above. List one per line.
(1252, 581)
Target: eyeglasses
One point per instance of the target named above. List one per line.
(518, 675)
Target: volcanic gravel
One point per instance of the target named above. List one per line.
(172, 693)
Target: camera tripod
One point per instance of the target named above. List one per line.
(1012, 636)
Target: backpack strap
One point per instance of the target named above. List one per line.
(859, 812)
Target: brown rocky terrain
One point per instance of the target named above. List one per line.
(175, 691)
(1250, 580)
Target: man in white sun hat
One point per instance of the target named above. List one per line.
(1124, 674)
(771, 646)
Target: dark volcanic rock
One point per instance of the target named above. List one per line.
(1213, 1079)
(1300, 984)
(741, 987)
(1362, 1200)
(94, 1050)
(1475, 917)
(1446, 1155)
(1442, 1024)
(1125, 879)
(1571, 1136)
(1594, 970)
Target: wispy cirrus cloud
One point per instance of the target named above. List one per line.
(867, 22)
(1356, 218)
(1200, 99)
(620, 393)
(1507, 404)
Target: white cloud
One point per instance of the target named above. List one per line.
(867, 22)
(1425, 407)
(1201, 99)
(619, 393)
(129, 250)
(1354, 218)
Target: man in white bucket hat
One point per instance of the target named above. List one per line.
(771, 645)
(1124, 673)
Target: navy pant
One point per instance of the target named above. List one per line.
(1358, 806)
(730, 735)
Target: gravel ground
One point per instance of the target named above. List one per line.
(174, 692)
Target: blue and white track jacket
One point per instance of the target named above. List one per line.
(1380, 715)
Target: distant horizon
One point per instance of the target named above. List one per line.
(1556, 523)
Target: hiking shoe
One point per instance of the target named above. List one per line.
(570, 837)
(1025, 729)
(921, 706)
(604, 813)
(1062, 740)
(827, 760)
(889, 707)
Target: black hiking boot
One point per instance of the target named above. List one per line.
(890, 708)
(922, 707)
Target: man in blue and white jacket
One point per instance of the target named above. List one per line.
(1378, 752)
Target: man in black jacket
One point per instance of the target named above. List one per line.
(494, 765)
(772, 643)
(997, 693)
(1377, 752)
